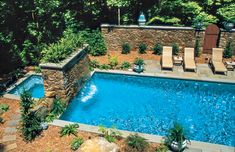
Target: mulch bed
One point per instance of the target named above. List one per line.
(50, 140)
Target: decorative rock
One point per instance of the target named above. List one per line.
(12, 123)
(9, 130)
(10, 147)
(16, 116)
(8, 138)
(98, 145)
(50, 94)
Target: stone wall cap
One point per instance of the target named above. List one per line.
(61, 65)
(147, 27)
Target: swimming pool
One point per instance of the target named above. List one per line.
(151, 105)
(33, 84)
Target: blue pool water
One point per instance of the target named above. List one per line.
(151, 105)
(34, 84)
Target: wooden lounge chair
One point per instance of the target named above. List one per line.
(216, 62)
(189, 62)
(166, 59)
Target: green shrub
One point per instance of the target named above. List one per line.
(37, 69)
(175, 49)
(126, 48)
(105, 66)
(157, 49)
(139, 61)
(4, 107)
(137, 142)
(142, 48)
(125, 65)
(197, 48)
(57, 107)
(76, 143)
(30, 123)
(113, 61)
(110, 135)
(228, 51)
(57, 52)
(94, 64)
(50, 117)
(69, 129)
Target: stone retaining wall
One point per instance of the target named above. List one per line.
(115, 36)
(65, 79)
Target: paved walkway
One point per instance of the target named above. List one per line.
(203, 70)
(9, 136)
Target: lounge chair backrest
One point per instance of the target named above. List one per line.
(217, 54)
(189, 53)
(167, 51)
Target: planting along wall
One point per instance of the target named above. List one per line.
(225, 36)
(66, 78)
(116, 35)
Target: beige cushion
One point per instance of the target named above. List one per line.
(219, 66)
(167, 57)
(189, 62)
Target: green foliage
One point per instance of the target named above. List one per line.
(197, 48)
(137, 142)
(175, 49)
(227, 12)
(176, 134)
(57, 107)
(30, 122)
(228, 51)
(76, 143)
(94, 64)
(162, 148)
(113, 61)
(105, 66)
(139, 61)
(4, 107)
(111, 135)
(50, 117)
(157, 49)
(37, 69)
(69, 129)
(57, 52)
(205, 18)
(125, 65)
(126, 48)
(142, 48)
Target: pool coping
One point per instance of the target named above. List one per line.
(194, 145)
(18, 82)
(173, 76)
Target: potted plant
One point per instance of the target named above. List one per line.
(139, 65)
(176, 138)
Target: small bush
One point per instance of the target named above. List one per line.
(142, 48)
(197, 48)
(125, 65)
(110, 135)
(69, 129)
(4, 107)
(157, 49)
(76, 143)
(175, 49)
(105, 67)
(228, 51)
(37, 69)
(113, 61)
(58, 107)
(137, 142)
(126, 48)
(30, 122)
(94, 64)
(139, 61)
(50, 117)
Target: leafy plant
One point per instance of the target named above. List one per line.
(125, 65)
(137, 142)
(176, 134)
(4, 107)
(113, 61)
(69, 129)
(37, 69)
(126, 48)
(162, 148)
(110, 135)
(175, 49)
(139, 61)
(50, 117)
(157, 49)
(228, 51)
(197, 48)
(142, 48)
(58, 107)
(105, 66)
(94, 64)
(76, 143)
(30, 123)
